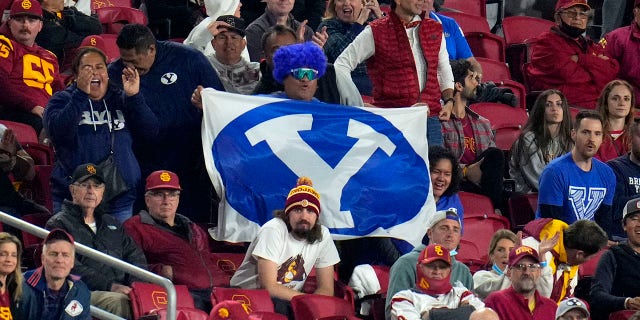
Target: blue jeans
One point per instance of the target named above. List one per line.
(434, 131)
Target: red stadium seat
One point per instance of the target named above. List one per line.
(252, 300)
(475, 7)
(39, 189)
(113, 18)
(24, 132)
(228, 263)
(517, 29)
(622, 315)
(500, 115)
(479, 230)
(469, 22)
(486, 45)
(505, 135)
(150, 299)
(315, 307)
(340, 290)
(494, 70)
(588, 269)
(475, 204)
(518, 89)
(469, 254)
(522, 210)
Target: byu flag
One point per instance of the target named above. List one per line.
(369, 165)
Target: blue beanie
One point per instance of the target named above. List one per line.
(301, 55)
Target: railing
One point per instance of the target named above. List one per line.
(107, 259)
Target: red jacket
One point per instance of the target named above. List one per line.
(510, 305)
(581, 82)
(392, 68)
(192, 262)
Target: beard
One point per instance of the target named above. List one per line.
(525, 285)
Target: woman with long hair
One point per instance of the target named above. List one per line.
(10, 274)
(616, 106)
(546, 136)
(487, 281)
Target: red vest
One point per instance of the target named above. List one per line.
(392, 68)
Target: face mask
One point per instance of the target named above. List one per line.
(433, 286)
(571, 31)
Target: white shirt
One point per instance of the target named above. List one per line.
(363, 48)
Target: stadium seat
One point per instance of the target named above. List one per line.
(38, 219)
(518, 89)
(622, 315)
(479, 230)
(39, 190)
(372, 305)
(340, 290)
(228, 263)
(257, 300)
(113, 18)
(505, 135)
(522, 209)
(24, 132)
(475, 204)
(486, 45)
(469, 22)
(517, 29)
(494, 70)
(151, 299)
(500, 115)
(588, 269)
(574, 111)
(475, 7)
(316, 307)
(468, 253)
(97, 4)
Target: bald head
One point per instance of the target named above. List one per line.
(484, 314)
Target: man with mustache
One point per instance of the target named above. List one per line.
(29, 74)
(522, 301)
(576, 186)
(287, 248)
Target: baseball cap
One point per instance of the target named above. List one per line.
(93, 41)
(632, 207)
(86, 171)
(565, 4)
(237, 24)
(229, 310)
(522, 252)
(450, 214)
(163, 179)
(569, 304)
(58, 234)
(26, 8)
(434, 252)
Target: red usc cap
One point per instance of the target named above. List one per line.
(565, 4)
(163, 179)
(26, 8)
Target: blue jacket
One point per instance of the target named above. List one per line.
(80, 138)
(76, 303)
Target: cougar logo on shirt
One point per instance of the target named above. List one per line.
(169, 78)
(292, 270)
(74, 308)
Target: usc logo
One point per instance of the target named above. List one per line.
(524, 249)
(91, 169)
(93, 41)
(26, 4)
(438, 250)
(165, 177)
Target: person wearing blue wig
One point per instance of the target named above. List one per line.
(298, 67)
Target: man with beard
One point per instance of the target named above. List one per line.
(563, 59)
(469, 137)
(522, 301)
(576, 186)
(287, 248)
(433, 289)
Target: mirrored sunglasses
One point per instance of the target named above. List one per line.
(300, 73)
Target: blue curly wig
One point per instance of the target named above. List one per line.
(301, 55)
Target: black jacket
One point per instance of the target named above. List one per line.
(110, 238)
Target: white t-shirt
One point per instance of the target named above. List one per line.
(295, 258)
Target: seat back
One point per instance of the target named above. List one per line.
(517, 29)
(505, 135)
(518, 89)
(314, 306)
(479, 230)
(494, 70)
(38, 219)
(39, 189)
(500, 115)
(23, 132)
(227, 264)
(253, 300)
(475, 204)
(149, 298)
(474, 7)
(114, 18)
(340, 290)
(522, 209)
(184, 314)
(486, 45)
(469, 254)
(588, 269)
(469, 22)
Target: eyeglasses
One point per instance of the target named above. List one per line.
(300, 73)
(524, 267)
(576, 14)
(164, 194)
(87, 185)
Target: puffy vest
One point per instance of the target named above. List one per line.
(392, 68)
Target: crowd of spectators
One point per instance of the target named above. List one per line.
(144, 110)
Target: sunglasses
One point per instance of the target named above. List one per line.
(300, 73)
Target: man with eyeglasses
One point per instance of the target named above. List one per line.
(564, 59)
(85, 219)
(237, 74)
(616, 284)
(521, 300)
(572, 309)
(51, 292)
(176, 248)
(298, 67)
